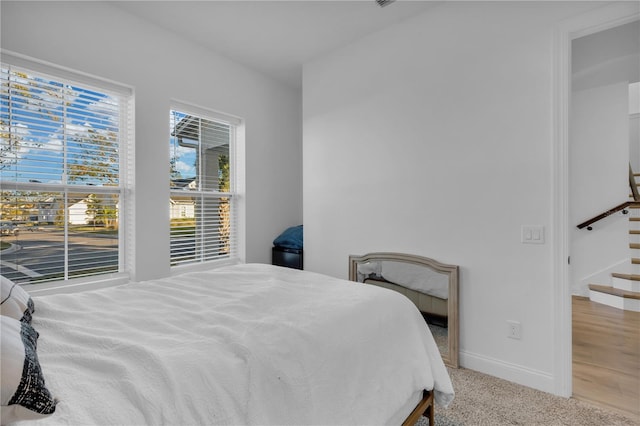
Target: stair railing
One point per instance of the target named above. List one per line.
(620, 207)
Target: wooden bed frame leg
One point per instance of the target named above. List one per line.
(431, 415)
(424, 408)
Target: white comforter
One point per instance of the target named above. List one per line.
(244, 344)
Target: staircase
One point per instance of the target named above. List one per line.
(624, 291)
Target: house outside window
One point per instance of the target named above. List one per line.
(64, 144)
(202, 195)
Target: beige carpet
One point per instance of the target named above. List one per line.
(486, 400)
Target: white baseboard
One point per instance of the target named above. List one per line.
(535, 379)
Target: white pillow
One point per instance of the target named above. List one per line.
(24, 395)
(14, 301)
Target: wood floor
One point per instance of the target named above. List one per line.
(606, 356)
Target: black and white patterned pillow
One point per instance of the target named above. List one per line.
(24, 395)
(14, 301)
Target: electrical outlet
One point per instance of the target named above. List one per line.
(514, 330)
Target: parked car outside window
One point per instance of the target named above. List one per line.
(8, 228)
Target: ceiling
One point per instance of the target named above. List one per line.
(606, 57)
(275, 37)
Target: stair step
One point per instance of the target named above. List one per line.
(634, 245)
(634, 219)
(634, 231)
(635, 261)
(626, 282)
(621, 299)
(631, 277)
(607, 289)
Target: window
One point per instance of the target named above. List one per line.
(202, 198)
(62, 173)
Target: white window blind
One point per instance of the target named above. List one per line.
(62, 172)
(201, 170)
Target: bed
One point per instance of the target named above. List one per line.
(243, 344)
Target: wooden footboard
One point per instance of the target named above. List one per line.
(424, 408)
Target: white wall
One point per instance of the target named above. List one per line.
(100, 39)
(634, 141)
(434, 137)
(606, 57)
(634, 125)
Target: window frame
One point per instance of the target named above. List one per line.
(126, 150)
(235, 188)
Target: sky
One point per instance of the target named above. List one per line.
(52, 123)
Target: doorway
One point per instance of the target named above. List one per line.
(603, 141)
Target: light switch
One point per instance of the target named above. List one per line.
(532, 234)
